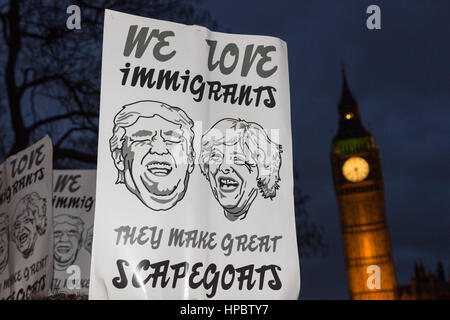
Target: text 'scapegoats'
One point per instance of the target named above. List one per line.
(194, 178)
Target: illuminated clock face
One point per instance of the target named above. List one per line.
(355, 169)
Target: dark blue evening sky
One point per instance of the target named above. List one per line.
(400, 76)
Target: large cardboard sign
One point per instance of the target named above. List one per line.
(73, 222)
(194, 178)
(26, 237)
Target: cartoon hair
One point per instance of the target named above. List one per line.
(265, 153)
(129, 115)
(73, 221)
(4, 219)
(37, 206)
(88, 239)
(5, 222)
(4, 228)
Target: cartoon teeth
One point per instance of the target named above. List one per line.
(63, 249)
(158, 168)
(228, 184)
(23, 238)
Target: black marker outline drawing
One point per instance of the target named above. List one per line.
(88, 239)
(30, 221)
(4, 241)
(67, 240)
(165, 155)
(239, 159)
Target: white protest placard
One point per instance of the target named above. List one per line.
(73, 222)
(194, 178)
(26, 237)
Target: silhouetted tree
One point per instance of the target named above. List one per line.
(50, 81)
(50, 75)
(310, 236)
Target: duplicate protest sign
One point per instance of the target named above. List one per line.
(73, 222)
(194, 178)
(26, 237)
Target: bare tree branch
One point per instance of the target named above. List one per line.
(21, 137)
(5, 27)
(33, 35)
(70, 131)
(61, 117)
(37, 82)
(61, 67)
(74, 154)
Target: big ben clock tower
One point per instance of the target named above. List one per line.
(359, 187)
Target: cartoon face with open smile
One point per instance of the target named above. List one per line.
(238, 159)
(68, 231)
(156, 165)
(30, 221)
(25, 233)
(4, 241)
(232, 177)
(155, 156)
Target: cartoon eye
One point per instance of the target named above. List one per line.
(172, 140)
(172, 136)
(238, 160)
(28, 220)
(72, 233)
(139, 140)
(250, 166)
(215, 156)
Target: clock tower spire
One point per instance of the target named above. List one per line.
(359, 187)
(350, 123)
